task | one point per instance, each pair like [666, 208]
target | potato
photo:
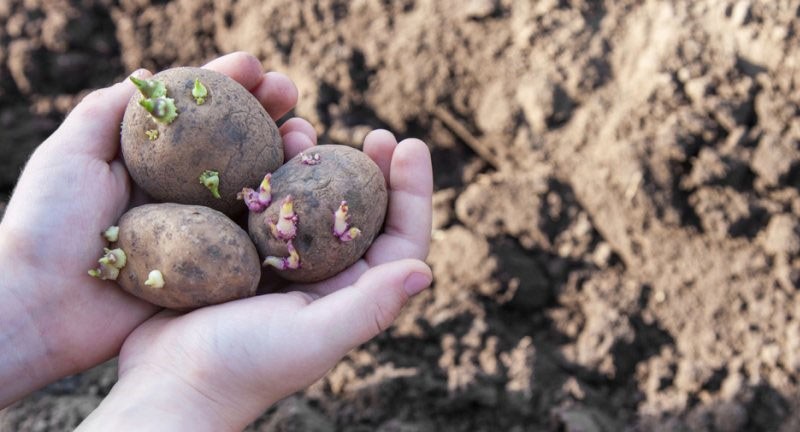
[226, 131]
[301, 232]
[202, 256]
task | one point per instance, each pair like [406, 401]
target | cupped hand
[221, 366]
[61, 320]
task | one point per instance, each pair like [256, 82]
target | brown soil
[616, 209]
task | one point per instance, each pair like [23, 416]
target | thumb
[356, 314]
[93, 126]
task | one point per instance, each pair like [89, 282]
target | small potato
[213, 125]
[182, 257]
[327, 206]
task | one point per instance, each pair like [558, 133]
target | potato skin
[205, 257]
[230, 133]
[343, 173]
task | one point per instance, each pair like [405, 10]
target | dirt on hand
[617, 215]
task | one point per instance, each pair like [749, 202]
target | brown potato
[318, 184]
[230, 133]
[204, 258]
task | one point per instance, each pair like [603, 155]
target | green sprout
[155, 279]
[155, 100]
[95, 273]
[161, 108]
[291, 262]
[150, 88]
[152, 134]
[199, 91]
[114, 257]
[112, 233]
[110, 264]
[210, 179]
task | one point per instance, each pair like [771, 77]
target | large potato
[318, 182]
[229, 133]
[203, 257]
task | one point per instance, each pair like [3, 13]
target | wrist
[24, 364]
[151, 400]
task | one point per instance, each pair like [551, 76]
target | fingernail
[415, 283]
[138, 73]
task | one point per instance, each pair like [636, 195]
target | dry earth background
[616, 213]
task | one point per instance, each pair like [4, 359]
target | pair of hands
[215, 368]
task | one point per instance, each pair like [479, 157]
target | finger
[331, 285]
[298, 136]
[294, 143]
[93, 125]
[123, 184]
[358, 313]
[146, 331]
[408, 219]
[277, 93]
[379, 145]
[244, 68]
[297, 124]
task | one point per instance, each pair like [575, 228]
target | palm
[217, 338]
[59, 205]
[57, 216]
[279, 343]
[71, 190]
[75, 186]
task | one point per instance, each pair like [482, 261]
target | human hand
[219, 367]
[55, 319]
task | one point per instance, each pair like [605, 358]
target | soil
[617, 216]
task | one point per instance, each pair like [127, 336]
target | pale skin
[216, 368]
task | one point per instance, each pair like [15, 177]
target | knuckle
[91, 104]
[93, 97]
[382, 318]
[379, 319]
[301, 298]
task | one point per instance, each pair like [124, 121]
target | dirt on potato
[617, 215]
